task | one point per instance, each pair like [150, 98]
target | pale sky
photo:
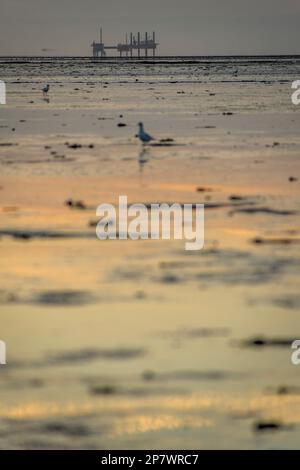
[183, 27]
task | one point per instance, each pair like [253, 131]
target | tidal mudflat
[141, 344]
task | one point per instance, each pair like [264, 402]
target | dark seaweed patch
[195, 375]
[51, 234]
[65, 298]
[275, 241]
[263, 426]
[263, 210]
[194, 333]
[289, 302]
[68, 429]
[261, 342]
[85, 355]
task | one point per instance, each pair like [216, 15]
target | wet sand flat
[141, 344]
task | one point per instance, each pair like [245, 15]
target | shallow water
[123, 344]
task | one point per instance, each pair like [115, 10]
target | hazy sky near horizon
[183, 27]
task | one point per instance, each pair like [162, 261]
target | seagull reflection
[143, 158]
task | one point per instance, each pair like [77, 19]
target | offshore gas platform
[132, 43]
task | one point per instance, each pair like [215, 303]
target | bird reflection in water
[143, 158]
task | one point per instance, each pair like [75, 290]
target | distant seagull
[46, 89]
[142, 135]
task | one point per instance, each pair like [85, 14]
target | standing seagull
[142, 135]
[46, 89]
